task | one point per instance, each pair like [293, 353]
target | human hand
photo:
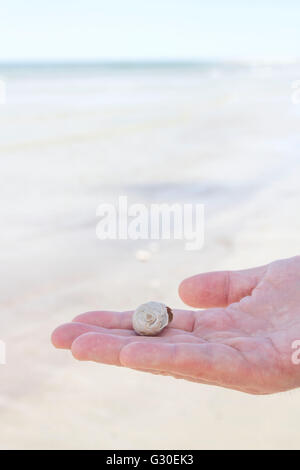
[243, 340]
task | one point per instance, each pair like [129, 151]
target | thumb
[219, 289]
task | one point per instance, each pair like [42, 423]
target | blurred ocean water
[71, 133]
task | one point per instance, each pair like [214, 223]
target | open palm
[243, 339]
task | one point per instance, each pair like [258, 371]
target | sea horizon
[159, 62]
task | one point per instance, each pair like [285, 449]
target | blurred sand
[71, 141]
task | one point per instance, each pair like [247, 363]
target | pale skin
[241, 339]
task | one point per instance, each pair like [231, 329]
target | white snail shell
[151, 318]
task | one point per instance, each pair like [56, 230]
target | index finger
[182, 319]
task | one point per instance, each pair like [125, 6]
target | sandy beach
[73, 137]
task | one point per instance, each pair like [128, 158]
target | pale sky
[149, 29]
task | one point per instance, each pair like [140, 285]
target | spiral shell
[151, 318]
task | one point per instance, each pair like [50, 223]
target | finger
[206, 363]
[99, 347]
[214, 363]
[182, 319]
[63, 336]
[219, 289]
[106, 347]
[106, 319]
